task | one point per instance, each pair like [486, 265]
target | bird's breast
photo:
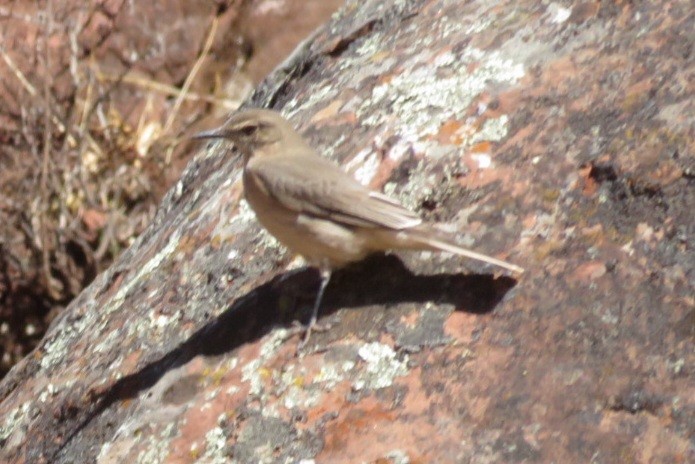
[271, 213]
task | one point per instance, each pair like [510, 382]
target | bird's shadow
[378, 280]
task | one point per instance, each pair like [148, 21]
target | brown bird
[316, 209]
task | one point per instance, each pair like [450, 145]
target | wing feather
[308, 184]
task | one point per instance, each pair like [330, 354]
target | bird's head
[255, 132]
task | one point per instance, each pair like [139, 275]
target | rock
[550, 136]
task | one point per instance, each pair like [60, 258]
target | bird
[317, 210]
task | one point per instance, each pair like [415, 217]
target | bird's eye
[248, 130]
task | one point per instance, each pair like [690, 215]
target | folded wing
[311, 185]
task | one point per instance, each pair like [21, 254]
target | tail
[421, 238]
[453, 248]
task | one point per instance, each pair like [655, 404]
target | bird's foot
[307, 330]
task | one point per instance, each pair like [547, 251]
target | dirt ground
[96, 102]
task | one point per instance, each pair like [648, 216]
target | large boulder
[556, 137]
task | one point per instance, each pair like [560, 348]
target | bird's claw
[307, 330]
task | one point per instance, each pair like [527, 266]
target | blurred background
[97, 100]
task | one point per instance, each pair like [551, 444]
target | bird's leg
[325, 278]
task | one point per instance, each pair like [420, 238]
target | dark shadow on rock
[384, 280]
[378, 280]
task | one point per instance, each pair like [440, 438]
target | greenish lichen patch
[252, 371]
[156, 447]
[215, 447]
[382, 366]
[12, 421]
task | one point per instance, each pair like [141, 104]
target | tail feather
[459, 250]
[425, 238]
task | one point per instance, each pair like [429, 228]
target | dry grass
[79, 180]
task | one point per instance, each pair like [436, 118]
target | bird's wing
[309, 184]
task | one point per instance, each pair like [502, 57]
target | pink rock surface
[551, 136]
